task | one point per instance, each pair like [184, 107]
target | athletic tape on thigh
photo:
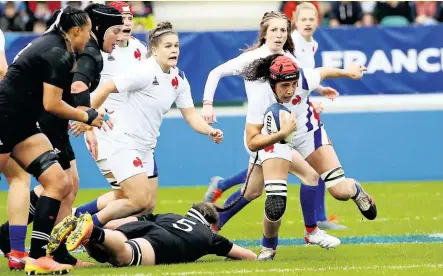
[136, 253]
[276, 187]
[333, 176]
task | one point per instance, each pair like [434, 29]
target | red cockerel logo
[296, 100]
[137, 162]
[174, 82]
[137, 54]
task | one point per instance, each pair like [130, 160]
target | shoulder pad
[93, 52]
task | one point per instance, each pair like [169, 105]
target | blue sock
[320, 204]
[96, 221]
[17, 235]
[90, 208]
[227, 215]
[269, 242]
[232, 197]
[307, 201]
[227, 183]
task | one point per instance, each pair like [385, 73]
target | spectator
[368, 11]
[11, 21]
[439, 12]
[345, 13]
[42, 11]
[394, 8]
[426, 12]
[39, 27]
[289, 8]
[143, 15]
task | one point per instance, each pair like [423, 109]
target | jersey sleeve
[184, 98]
[58, 65]
[310, 79]
[87, 66]
[220, 245]
[229, 68]
[256, 103]
[2, 41]
[133, 80]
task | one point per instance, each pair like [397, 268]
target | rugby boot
[365, 204]
[320, 238]
[81, 233]
[214, 192]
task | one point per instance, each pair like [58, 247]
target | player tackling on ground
[153, 239]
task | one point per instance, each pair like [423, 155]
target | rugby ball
[272, 120]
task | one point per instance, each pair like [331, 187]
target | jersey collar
[198, 216]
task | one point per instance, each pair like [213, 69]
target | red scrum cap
[121, 6]
[283, 69]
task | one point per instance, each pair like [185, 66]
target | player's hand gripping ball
[273, 121]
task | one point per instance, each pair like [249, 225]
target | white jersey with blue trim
[120, 61]
[307, 118]
[150, 94]
[304, 50]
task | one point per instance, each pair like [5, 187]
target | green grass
[404, 208]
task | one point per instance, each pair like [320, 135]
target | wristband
[92, 114]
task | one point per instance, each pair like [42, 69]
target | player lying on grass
[150, 239]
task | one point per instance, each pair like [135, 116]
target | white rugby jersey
[120, 61]
[307, 118]
[2, 41]
[150, 94]
[304, 50]
[256, 91]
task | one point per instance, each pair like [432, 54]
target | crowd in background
[24, 16]
[370, 13]
[33, 16]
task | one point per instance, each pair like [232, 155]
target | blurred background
[386, 127]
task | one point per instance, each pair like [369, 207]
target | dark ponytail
[259, 69]
[70, 17]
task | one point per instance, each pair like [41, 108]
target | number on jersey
[184, 225]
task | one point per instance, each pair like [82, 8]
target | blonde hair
[264, 24]
[300, 7]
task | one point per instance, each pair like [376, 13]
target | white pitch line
[308, 269]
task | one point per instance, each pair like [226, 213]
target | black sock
[44, 219]
[97, 235]
[61, 255]
[33, 204]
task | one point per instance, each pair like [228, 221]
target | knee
[276, 197]
[58, 183]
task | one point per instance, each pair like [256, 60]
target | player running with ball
[286, 82]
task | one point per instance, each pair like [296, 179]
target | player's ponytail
[63, 20]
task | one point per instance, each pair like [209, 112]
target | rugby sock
[307, 201]
[97, 235]
[17, 235]
[227, 183]
[233, 197]
[357, 187]
[320, 204]
[90, 208]
[96, 221]
[269, 242]
[61, 255]
[5, 240]
[44, 219]
[33, 204]
[228, 214]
